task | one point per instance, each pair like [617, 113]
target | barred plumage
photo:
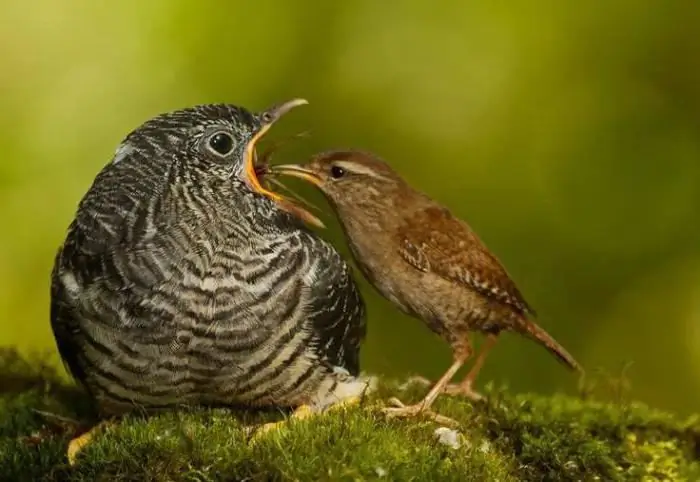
[180, 283]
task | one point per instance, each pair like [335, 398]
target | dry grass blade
[293, 208]
[293, 194]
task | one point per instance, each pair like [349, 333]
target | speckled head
[210, 141]
[349, 178]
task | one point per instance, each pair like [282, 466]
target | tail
[534, 332]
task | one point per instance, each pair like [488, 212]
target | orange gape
[250, 167]
[285, 203]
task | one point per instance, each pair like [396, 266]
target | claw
[464, 390]
[302, 412]
[455, 389]
[76, 445]
[345, 403]
[401, 410]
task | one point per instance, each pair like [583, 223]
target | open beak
[295, 170]
[269, 117]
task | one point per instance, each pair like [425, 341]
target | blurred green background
[567, 134]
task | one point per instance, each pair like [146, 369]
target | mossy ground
[523, 437]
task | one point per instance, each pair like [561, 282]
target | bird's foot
[345, 403]
[300, 413]
[400, 410]
[77, 444]
[464, 389]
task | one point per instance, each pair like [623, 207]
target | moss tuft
[510, 437]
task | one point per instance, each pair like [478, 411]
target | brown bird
[425, 260]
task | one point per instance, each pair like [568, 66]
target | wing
[63, 324]
[100, 278]
[451, 250]
[337, 313]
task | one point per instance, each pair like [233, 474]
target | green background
[566, 133]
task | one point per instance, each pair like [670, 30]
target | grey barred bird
[183, 281]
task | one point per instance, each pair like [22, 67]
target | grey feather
[179, 284]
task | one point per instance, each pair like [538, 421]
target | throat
[366, 237]
[266, 217]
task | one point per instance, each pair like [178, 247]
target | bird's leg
[80, 442]
[465, 387]
[401, 410]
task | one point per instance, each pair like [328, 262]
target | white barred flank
[237, 339]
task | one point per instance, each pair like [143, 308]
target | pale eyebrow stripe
[358, 168]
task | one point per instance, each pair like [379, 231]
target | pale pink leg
[465, 386]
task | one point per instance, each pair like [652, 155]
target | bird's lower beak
[271, 115]
[251, 170]
[295, 170]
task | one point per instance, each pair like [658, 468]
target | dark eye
[267, 118]
[337, 172]
[221, 143]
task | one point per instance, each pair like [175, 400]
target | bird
[183, 281]
[425, 260]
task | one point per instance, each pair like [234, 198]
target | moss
[523, 437]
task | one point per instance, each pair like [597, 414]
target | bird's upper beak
[269, 117]
[295, 170]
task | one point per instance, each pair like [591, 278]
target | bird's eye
[221, 143]
[337, 172]
[266, 118]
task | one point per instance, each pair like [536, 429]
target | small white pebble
[485, 447]
[449, 437]
[381, 472]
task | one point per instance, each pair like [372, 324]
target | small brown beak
[268, 117]
[295, 170]
[306, 174]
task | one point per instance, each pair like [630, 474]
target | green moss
[524, 437]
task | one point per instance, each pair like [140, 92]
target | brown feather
[450, 249]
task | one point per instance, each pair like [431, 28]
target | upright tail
[534, 332]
